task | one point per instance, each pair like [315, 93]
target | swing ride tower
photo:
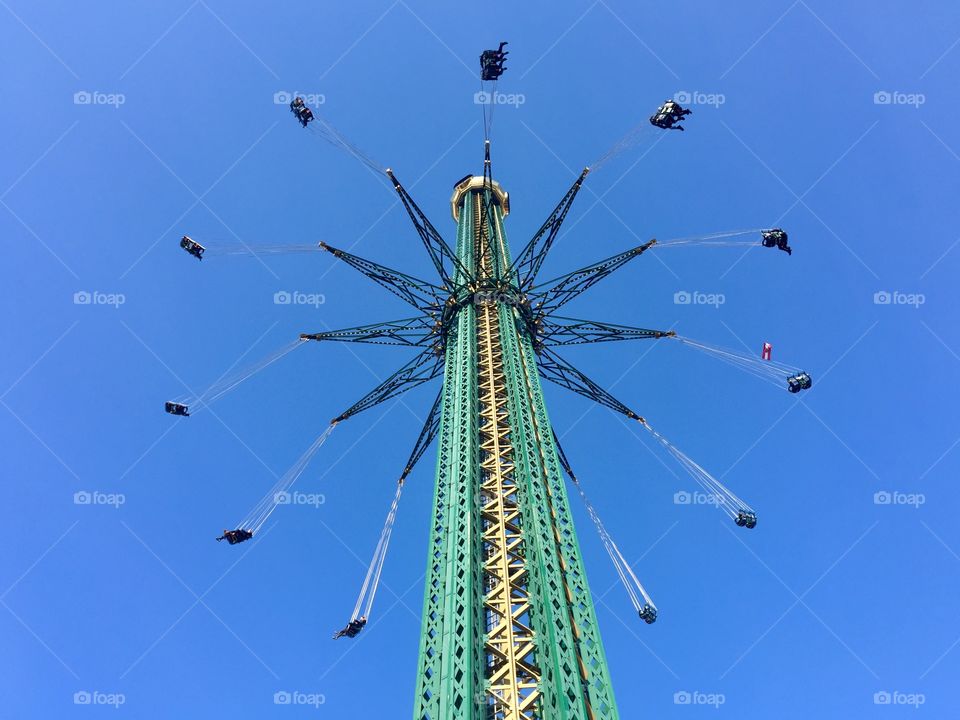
[509, 630]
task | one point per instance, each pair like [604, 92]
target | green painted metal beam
[574, 676]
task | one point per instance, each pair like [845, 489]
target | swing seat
[192, 247]
[175, 408]
[237, 536]
[799, 382]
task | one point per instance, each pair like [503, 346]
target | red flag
[767, 349]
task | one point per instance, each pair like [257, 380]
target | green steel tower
[509, 629]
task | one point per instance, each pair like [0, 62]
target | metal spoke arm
[416, 332]
[558, 331]
[530, 259]
[429, 432]
[558, 371]
[440, 253]
[421, 294]
[423, 368]
[556, 293]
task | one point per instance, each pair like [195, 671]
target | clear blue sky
[833, 598]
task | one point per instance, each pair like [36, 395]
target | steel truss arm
[558, 292]
[528, 262]
[410, 332]
[424, 367]
[421, 294]
[557, 331]
[440, 253]
[429, 432]
[558, 371]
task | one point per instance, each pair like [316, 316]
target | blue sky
[835, 122]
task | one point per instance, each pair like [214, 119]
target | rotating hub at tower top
[482, 290]
[477, 183]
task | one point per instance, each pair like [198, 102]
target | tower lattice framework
[509, 627]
